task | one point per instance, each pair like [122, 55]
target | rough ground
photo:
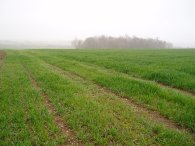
[2, 55]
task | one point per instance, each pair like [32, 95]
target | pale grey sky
[57, 20]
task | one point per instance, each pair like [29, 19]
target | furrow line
[183, 91]
[2, 57]
[64, 128]
[160, 84]
[138, 108]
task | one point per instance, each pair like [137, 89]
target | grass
[95, 116]
[24, 120]
[173, 105]
[175, 68]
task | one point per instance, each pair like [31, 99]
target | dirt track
[72, 140]
[139, 109]
[2, 55]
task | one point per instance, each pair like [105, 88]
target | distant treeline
[120, 42]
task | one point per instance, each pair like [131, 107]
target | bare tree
[77, 43]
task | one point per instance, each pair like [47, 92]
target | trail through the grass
[2, 57]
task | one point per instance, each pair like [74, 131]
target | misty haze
[97, 72]
[40, 21]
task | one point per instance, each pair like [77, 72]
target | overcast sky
[35, 20]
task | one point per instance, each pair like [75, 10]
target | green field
[97, 97]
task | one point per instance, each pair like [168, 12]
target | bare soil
[2, 55]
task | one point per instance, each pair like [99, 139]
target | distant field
[97, 97]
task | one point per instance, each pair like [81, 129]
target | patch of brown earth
[2, 55]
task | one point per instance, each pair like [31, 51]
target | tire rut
[163, 85]
[64, 128]
[138, 108]
[180, 90]
[2, 57]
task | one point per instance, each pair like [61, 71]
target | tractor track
[64, 128]
[138, 108]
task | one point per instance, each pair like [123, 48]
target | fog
[65, 20]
